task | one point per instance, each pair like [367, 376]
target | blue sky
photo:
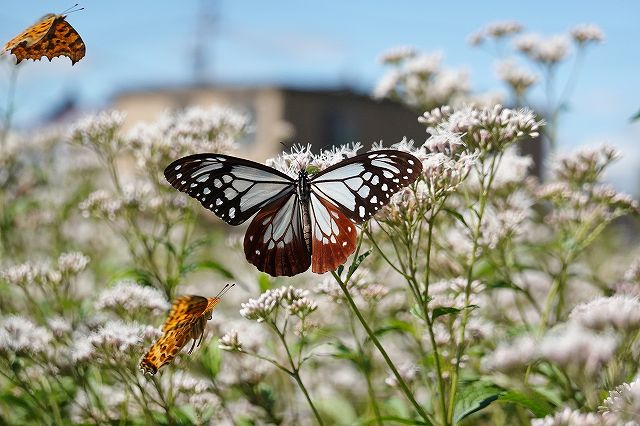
[327, 44]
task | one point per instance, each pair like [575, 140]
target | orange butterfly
[51, 36]
[187, 320]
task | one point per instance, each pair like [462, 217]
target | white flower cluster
[99, 132]
[130, 296]
[230, 341]
[587, 33]
[397, 54]
[571, 346]
[43, 273]
[193, 130]
[584, 166]
[486, 129]
[619, 312]
[113, 341]
[622, 406]
[20, 334]
[408, 372]
[265, 307]
[301, 158]
[569, 417]
[495, 30]
[113, 404]
[419, 81]
[549, 51]
[519, 79]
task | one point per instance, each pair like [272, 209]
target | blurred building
[322, 118]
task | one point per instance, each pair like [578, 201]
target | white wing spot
[397, 180]
[409, 170]
[183, 182]
[349, 228]
[232, 212]
[210, 206]
[374, 199]
[354, 183]
[333, 239]
[384, 187]
[179, 175]
[280, 244]
[344, 243]
[206, 191]
[193, 185]
[375, 180]
[227, 178]
[218, 202]
[361, 211]
[217, 183]
[405, 177]
[178, 167]
[203, 178]
[257, 252]
[230, 193]
[364, 191]
[367, 176]
[241, 185]
[250, 237]
[387, 174]
[410, 162]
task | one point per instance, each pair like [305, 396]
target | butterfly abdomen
[304, 190]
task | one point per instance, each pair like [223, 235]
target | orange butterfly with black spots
[187, 320]
[51, 36]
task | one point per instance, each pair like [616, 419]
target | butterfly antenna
[72, 9]
[224, 290]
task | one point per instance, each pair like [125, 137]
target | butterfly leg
[193, 345]
[200, 341]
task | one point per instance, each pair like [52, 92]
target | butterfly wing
[361, 185]
[333, 235]
[33, 34]
[275, 241]
[165, 349]
[51, 37]
[185, 310]
[232, 188]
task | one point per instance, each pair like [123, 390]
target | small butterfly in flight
[308, 221]
[187, 320]
[51, 36]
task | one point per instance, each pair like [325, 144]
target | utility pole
[206, 28]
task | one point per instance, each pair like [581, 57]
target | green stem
[295, 373]
[403, 386]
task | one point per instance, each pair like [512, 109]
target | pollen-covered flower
[20, 334]
[260, 309]
[512, 356]
[301, 158]
[587, 33]
[129, 296]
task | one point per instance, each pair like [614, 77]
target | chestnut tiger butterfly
[308, 221]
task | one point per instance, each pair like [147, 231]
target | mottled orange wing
[187, 321]
[52, 36]
[184, 310]
[165, 349]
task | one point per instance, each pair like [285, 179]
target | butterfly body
[299, 222]
[51, 36]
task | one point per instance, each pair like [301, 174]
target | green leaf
[356, 263]
[392, 419]
[416, 311]
[534, 401]
[473, 397]
[265, 282]
[456, 215]
[340, 270]
[207, 265]
[444, 310]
